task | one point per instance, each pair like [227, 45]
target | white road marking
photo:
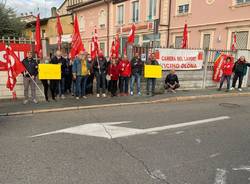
[220, 177]
[109, 131]
[158, 174]
[214, 155]
[179, 132]
[242, 168]
[198, 141]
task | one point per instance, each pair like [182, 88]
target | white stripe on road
[242, 168]
[109, 130]
[220, 177]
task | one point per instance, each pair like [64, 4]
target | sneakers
[131, 93]
[240, 89]
[139, 94]
[232, 88]
[98, 95]
[25, 102]
[35, 101]
[62, 97]
[77, 98]
[104, 95]
[84, 97]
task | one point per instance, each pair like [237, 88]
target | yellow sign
[49, 71]
[153, 71]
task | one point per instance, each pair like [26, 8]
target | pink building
[211, 23]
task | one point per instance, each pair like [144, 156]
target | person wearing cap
[29, 78]
[172, 81]
[81, 71]
[227, 69]
[100, 70]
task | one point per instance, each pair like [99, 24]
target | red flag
[219, 59]
[185, 38]
[117, 45]
[15, 67]
[38, 43]
[93, 48]
[131, 36]
[233, 48]
[59, 32]
[112, 50]
[76, 45]
[96, 41]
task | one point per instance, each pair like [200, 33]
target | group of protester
[116, 76]
[239, 68]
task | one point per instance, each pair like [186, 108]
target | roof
[62, 4]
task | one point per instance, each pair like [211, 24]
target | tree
[10, 24]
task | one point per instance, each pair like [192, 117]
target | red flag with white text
[131, 36]
[38, 42]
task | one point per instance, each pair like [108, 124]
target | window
[178, 41]
[102, 46]
[102, 19]
[135, 11]
[241, 39]
[206, 41]
[120, 14]
[182, 9]
[81, 23]
[242, 1]
[152, 9]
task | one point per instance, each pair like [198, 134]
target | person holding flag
[29, 78]
[100, 67]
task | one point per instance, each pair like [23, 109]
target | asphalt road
[87, 147]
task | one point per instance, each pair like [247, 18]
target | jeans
[227, 78]
[62, 86]
[73, 88]
[151, 81]
[113, 87]
[135, 78]
[237, 76]
[89, 88]
[81, 83]
[28, 82]
[100, 82]
[124, 84]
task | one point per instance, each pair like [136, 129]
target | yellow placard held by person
[49, 71]
[153, 71]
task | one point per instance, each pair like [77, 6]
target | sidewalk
[9, 107]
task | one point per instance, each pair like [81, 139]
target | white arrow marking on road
[109, 131]
[242, 168]
[220, 177]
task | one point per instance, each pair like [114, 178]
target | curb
[164, 100]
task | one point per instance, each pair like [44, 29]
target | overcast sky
[44, 6]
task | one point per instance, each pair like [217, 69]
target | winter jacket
[103, 65]
[31, 66]
[136, 65]
[113, 72]
[227, 68]
[152, 62]
[62, 61]
[77, 67]
[172, 79]
[241, 67]
[125, 68]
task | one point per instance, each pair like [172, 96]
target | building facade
[211, 23]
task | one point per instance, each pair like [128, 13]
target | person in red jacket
[125, 72]
[113, 72]
[227, 68]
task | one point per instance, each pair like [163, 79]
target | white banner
[180, 59]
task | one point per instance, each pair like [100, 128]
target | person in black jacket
[136, 65]
[172, 82]
[240, 70]
[29, 77]
[100, 67]
[54, 84]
